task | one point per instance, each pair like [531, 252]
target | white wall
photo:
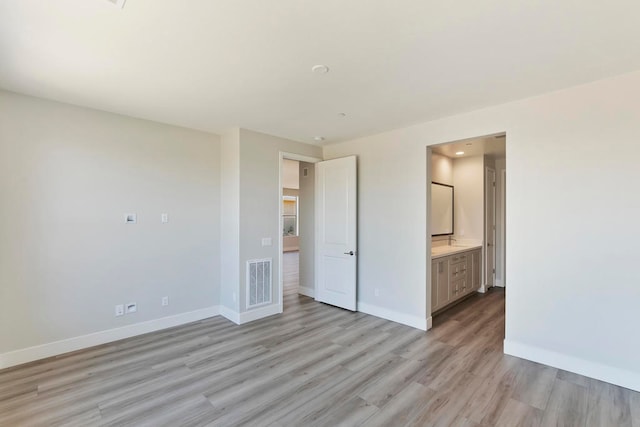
[573, 172]
[468, 196]
[442, 169]
[259, 201]
[230, 219]
[391, 225]
[67, 176]
[290, 178]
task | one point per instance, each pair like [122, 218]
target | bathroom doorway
[467, 229]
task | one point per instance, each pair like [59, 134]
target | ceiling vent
[117, 3]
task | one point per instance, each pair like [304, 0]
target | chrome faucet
[452, 239]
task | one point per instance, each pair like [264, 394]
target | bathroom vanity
[455, 273]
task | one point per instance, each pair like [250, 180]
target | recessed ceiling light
[459, 153]
[318, 138]
[320, 69]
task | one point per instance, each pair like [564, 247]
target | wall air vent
[258, 282]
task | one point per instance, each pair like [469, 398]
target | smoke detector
[117, 3]
[320, 69]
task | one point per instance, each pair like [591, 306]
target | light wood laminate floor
[313, 365]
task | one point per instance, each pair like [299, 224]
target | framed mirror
[441, 209]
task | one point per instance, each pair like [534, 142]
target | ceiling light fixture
[318, 138]
[320, 69]
[459, 153]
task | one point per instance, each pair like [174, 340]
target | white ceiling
[214, 64]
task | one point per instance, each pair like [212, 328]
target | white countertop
[440, 251]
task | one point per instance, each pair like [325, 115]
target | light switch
[266, 241]
[164, 218]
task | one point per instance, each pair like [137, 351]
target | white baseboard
[251, 315]
[499, 283]
[259, 313]
[406, 319]
[610, 374]
[56, 348]
[429, 322]
[230, 314]
[310, 292]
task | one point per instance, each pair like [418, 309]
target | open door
[336, 232]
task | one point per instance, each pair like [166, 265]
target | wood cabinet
[440, 294]
[454, 277]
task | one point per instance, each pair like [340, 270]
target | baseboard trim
[230, 314]
[609, 374]
[429, 322]
[251, 315]
[499, 283]
[56, 348]
[394, 316]
[260, 313]
[310, 292]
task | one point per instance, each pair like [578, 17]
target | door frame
[486, 232]
[301, 158]
[503, 226]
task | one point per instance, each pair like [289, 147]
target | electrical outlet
[376, 292]
[165, 301]
[119, 310]
[164, 218]
[131, 307]
[234, 297]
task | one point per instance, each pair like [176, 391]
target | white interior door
[490, 227]
[336, 232]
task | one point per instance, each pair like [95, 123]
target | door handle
[350, 253]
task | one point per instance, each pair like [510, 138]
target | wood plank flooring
[315, 365]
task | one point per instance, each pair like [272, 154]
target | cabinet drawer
[458, 258]
[457, 271]
[459, 287]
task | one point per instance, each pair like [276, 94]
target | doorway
[290, 226]
[297, 227]
[467, 247]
